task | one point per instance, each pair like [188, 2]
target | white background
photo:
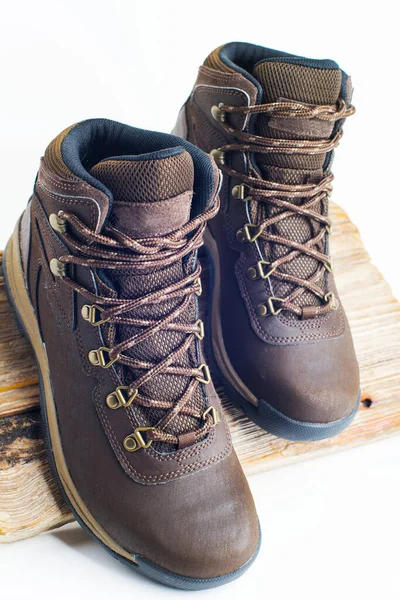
[331, 526]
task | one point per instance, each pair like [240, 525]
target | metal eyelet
[97, 358]
[218, 156]
[240, 236]
[271, 305]
[244, 235]
[130, 444]
[260, 268]
[217, 113]
[200, 333]
[331, 299]
[247, 227]
[117, 399]
[258, 272]
[57, 267]
[238, 192]
[214, 413]
[206, 378]
[252, 273]
[135, 440]
[200, 290]
[58, 224]
[263, 310]
[88, 313]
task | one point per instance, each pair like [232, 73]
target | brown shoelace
[279, 194]
[116, 250]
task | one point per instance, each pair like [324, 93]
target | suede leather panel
[207, 76]
[146, 219]
[88, 203]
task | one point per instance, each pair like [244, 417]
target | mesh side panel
[159, 346]
[305, 84]
[213, 61]
[295, 175]
[296, 82]
[146, 180]
[291, 161]
[53, 157]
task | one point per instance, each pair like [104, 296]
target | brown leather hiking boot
[280, 338]
[102, 270]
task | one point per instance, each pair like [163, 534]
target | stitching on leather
[306, 325]
[136, 475]
[45, 228]
[178, 455]
[72, 201]
[99, 405]
[86, 366]
[54, 286]
[207, 136]
[314, 323]
[205, 89]
[66, 185]
[218, 75]
[197, 448]
[155, 478]
[335, 332]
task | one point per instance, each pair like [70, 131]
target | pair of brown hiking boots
[103, 272]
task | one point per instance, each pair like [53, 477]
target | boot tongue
[315, 84]
[152, 194]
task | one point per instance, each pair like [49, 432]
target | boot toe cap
[306, 391]
[211, 532]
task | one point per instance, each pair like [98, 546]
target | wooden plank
[29, 500]
[18, 374]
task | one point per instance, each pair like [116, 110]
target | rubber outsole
[264, 414]
[142, 565]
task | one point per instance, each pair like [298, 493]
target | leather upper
[190, 511]
[305, 368]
